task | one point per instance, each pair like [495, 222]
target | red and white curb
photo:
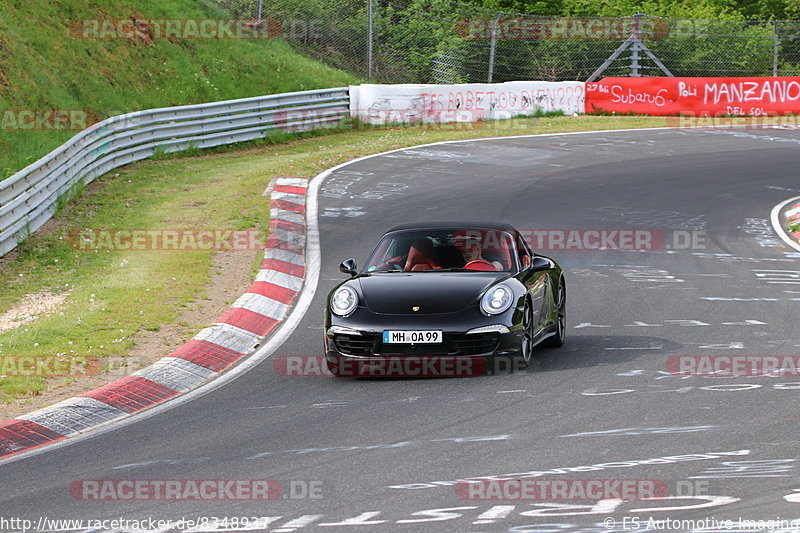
[793, 217]
[235, 335]
[782, 217]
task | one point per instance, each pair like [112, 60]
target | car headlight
[344, 301]
[496, 300]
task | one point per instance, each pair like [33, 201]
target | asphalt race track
[366, 455]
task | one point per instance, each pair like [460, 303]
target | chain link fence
[442, 41]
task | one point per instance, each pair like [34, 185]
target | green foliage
[691, 37]
[333, 30]
[424, 41]
[724, 9]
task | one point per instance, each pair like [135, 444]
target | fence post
[635, 40]
[493, 45]
[775, 48]
[369, 42]
[260, 7]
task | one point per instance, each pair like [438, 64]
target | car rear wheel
[561, 318]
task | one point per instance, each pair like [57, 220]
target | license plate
[412, 337]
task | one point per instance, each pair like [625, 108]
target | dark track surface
[360, 438]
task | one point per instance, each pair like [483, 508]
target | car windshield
[466, 250]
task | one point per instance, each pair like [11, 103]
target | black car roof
[501, 226]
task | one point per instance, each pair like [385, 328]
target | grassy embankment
[46, 64]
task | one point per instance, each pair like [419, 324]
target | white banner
[468, 102]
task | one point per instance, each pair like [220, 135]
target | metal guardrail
[28, 199]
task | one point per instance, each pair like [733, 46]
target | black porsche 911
[441, 294]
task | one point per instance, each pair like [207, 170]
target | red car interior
[420, 256]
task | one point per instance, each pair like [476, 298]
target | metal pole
[369, 42]
[775, 49]
[260, 7]
[493, 46]
[636, 40]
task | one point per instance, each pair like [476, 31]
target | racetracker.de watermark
[90, 240]
[594, 239]
[47, 119]
[561, 29]
[560, 489]
[297, 120]
[175, 29]
[729, 366]
[48, 366]
[406, 366]
[732, 119]
[175, 489]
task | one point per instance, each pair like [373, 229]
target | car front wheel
[561, 318]
[527, 343]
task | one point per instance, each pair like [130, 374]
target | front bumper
[367, 344]
[460, 355]
[356, 342]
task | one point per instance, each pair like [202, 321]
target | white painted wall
[468, 102]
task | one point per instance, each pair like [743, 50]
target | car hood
[433, 292]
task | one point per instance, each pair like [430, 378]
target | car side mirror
[348, 266]
[540, 264]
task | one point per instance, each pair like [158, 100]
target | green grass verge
[115, 294]
[43, 65]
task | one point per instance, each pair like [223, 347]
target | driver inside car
[473, 256]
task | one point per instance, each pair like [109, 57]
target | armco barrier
[695, 96]
[28, 198]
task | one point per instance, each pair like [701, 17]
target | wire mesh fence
[443, 41]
